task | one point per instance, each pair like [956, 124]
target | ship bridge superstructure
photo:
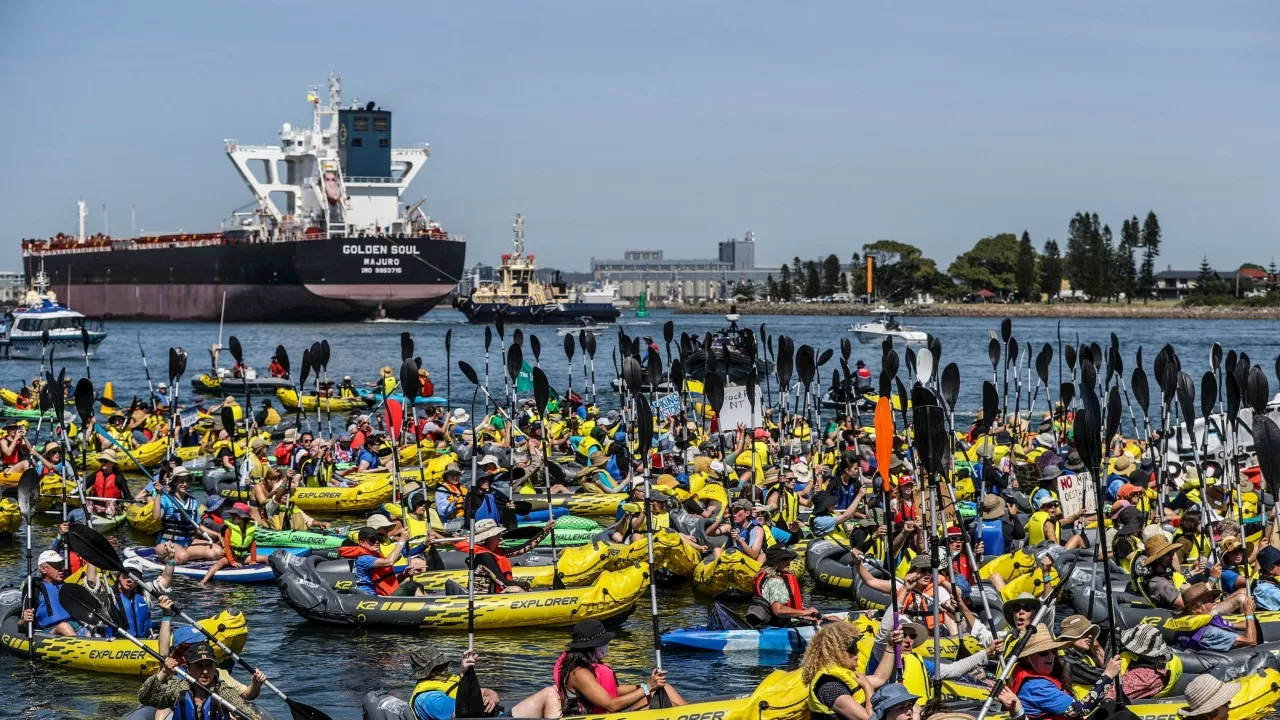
[339, 177]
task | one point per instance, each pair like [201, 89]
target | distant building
[1176, 284]
[477, 275]
[13, 285]
[685, 280]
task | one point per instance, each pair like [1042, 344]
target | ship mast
[519, 235]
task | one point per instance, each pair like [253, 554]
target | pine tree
[744, 290]
[1028, 282]
[797, 277]
[1126, 273]
[1208, 283]
[812, 280]
[785, 291]
[831, 275]
[844, 282]
[1103, 251]
[1150, 251]
[1051, 270]
[771, 288]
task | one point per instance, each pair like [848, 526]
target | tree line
[1096, 265]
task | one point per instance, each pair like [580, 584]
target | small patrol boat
[41, 324]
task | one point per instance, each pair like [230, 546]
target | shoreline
[1102, 311]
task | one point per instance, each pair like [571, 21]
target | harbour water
[333, 668]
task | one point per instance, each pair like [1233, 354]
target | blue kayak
[144, 559]
[540, 516]
[765, 640]
[399, 397]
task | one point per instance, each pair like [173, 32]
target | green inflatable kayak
[571, 531]
[15, 413]
[297, 539]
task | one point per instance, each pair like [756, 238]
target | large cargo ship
[517, 296]
[324, 238]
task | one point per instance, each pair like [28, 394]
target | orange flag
[884, 439]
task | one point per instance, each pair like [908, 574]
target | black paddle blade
[1066, 393]
[1141, 393]
[846, 349]
[468, 372]
[824, 357]
[1088, 373]
[315, 359]
[1229, 363]
[301, 711]
[515, 358]
[1162, 363]
[84, 400]
[930, 434]
[1043, 359]
[1266, 439]
[517, 336]
[1138, 361]
[677, 375]
[1013, 350]
[633, 374]
[1243, 366]
[488, 338]
[324, 355]
[993, 353]
[1233, 397]
[1215, 356]
[84, 339]
[889, 363]
[668, 331]
[81, 603]
[228, 417]
[448, 340]
[569, 347]
[1086, 430]
[1186, 392]
[591, 345]
[903, 401]
[1095, 355]
[911, 362]
[306, 368]
[237, 352]
[469, 700]
[1113, 414]
[406, 346]
[536, 346]
[886, 384]
[1257, 391]
[990, 402]
[935, 347]
[654, 372]
[1169, 384]
[59, 397]
[45, 398]
[1069, 352]
[94, 548]
[44, 337]
[805, 366]
[502, 328]
[1006, 329]
[644, 427]
[541, 390]
[410, 385]
[951, 384]
[1208, 393]
[713, 389]
[28, 492]
[182, 364]
[783, 364]
[173, 365]
[282, 357]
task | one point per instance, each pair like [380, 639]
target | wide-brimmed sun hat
[1041, 640]
[1207, 693]
[589, 634]
[487, 528]
[1025, 601]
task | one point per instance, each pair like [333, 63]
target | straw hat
[1024, 600]
[1157, 546]
[1076, 627]
[1193, 595]
[107, 456]
[1123, 466]
[487, 528]
[1207, 693]
[1041, 640]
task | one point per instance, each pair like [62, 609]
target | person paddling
[189, 700]
[496, 562]
[588, 685]
[48, 615]
[778, 601]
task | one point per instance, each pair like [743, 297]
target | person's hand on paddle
[1009, 699]
[256, 681]
[64, 527]
[1046, 562]
[28, 616]
[997, 645]
[551, 525]
[168, 669]
[657, 679]
[1216, 572]
[166, 604]
[979, 549]
[1113, 667]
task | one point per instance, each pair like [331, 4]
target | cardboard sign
[189, 417]
[1076, 494]
[737, 409]
[668, 406]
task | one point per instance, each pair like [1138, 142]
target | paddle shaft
[31, 593]
[469, 518]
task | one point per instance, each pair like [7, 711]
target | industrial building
[684, 281]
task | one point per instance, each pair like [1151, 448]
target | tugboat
[23, 334]
[518, 297]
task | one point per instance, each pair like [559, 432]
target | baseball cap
[200, 652]
[50, 557]
[186, 635]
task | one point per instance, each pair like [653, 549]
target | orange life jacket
[794, 599]
[384, 579]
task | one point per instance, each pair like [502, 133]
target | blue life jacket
[845, 495]
[49, 610]
[210, 709]
[489, 509]
[174, 525]
[135, 613]
[993, 537]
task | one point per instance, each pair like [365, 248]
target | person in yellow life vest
[1236, 571]
[746, 533]
[586, 426]
[1046, 522]
[436, 689]
[830, 671]
[1159, 583]
[116, 429]
[753, 452]
[451, 496]
[1192, 544]
[596, 478]
[784, 502]
[387, 382]
[240, 548]
[711, 497]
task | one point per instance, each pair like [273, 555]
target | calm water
[333, 669]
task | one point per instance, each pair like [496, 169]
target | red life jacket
[504, 563]
[284, 453]
[794, 599]
[106, 486]
[961, 565]
[1022, 673]
[384, 579]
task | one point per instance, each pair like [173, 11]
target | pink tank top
[604, 676]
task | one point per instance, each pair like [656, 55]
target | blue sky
[818, 125]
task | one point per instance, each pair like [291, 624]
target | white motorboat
[585, 323]
[41, 324]
[886, 325]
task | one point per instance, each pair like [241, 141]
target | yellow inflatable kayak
[780, 696]
[289, 398]
[149, 454]
[587, 504]
[10, 516]
[732, 571]
[52, 489]
[114, 656]
[433, 465]
[578, 567]
[367, 495]
[142, 517]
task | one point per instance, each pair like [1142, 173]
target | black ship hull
[325, 279]
[549, 314]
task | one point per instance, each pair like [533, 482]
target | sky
[820, 126]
